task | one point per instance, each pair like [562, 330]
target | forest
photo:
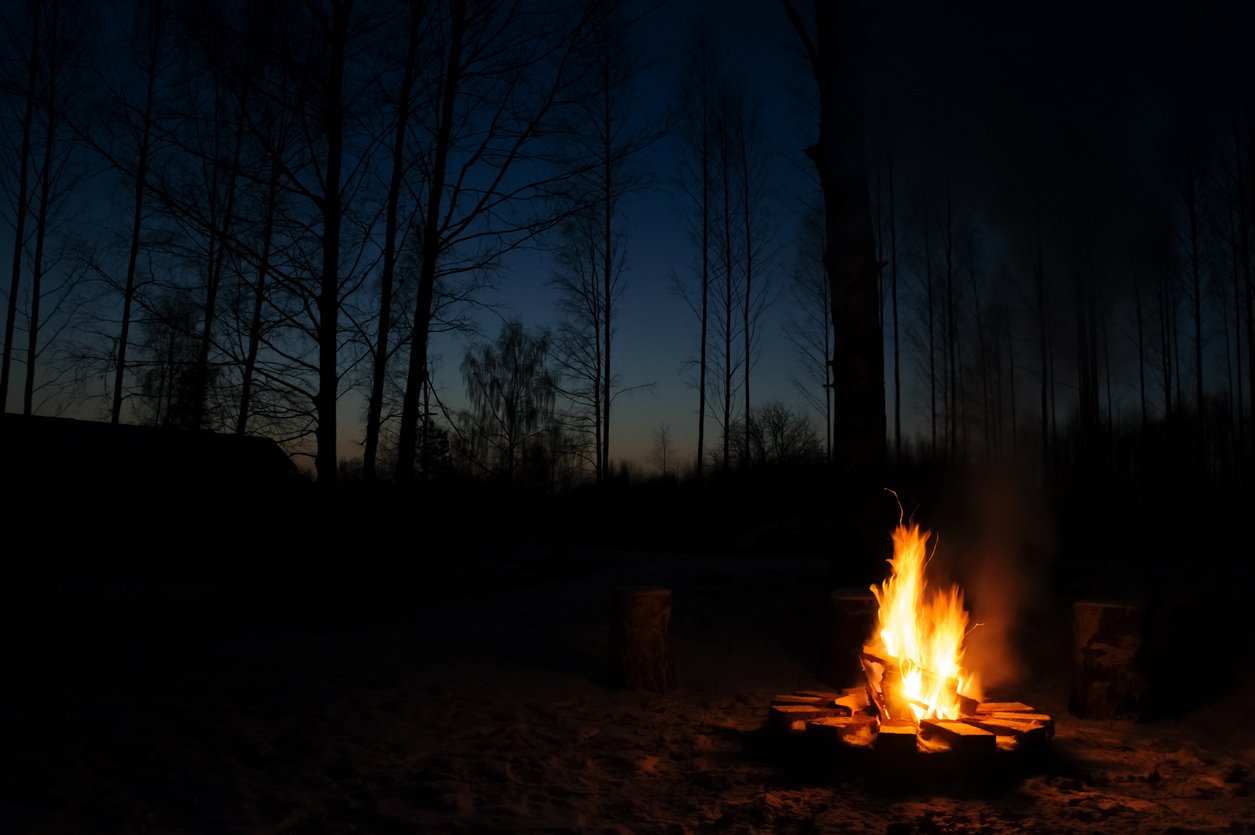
[240, 217]
[380, 379]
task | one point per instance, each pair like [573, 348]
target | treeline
[227, 215]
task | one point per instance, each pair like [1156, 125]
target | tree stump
[1108, 676]
[640, 639]
[849, 621]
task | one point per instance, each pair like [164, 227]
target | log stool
[849, 621]
[1108, 675]
[640, 639]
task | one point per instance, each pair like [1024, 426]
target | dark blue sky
[1084, 106]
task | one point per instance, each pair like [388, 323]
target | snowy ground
[487, 711]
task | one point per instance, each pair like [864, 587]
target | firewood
[640, 639]
[1002, 707]
[856, 701]
[874, 655]
[1044, 719]
[1026, 733]
[829, 695]
[873, 695]
[962, 738]
[793, 718]
[797, 699]
[833, 731]
[896, 703]
[896, 738]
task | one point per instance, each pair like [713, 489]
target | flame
[921, 634]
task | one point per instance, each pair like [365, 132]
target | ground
[483, 706]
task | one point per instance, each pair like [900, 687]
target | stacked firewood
[850, 719]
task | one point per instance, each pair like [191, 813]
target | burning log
[640, 639]
[885, 688]
[896, 738]
[961, 737]
[1108, 681]
[1026, 734]
[847, 721]
[909, 709]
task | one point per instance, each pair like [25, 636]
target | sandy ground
[488, 711]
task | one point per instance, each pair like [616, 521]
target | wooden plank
[1025, 733]
[794, 699]
[828, 695]
[1043, 719]
[961, 737]
[793, 718]
[856, 702]
[848, 731]
[870, 654]
[1003, 707]
[896, 738]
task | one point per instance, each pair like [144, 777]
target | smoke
[996, 540]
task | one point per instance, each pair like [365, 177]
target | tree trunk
[137, 220]
[640, 639]
[41, 223]
[21, 210]
[839, 155]
[374, 410]
[329, 286]
[416, 376]
[259, 300]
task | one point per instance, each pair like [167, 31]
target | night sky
[1085, 116]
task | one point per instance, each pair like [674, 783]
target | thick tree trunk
[836, 53]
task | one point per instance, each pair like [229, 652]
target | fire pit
[916, 700]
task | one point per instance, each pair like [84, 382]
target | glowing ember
[920, 638]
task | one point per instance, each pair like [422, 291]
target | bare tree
[663, 452]
[152, 60]
[697, 132]
[506, 71]
[61, 53]
[399, 167]
[31, 61]
[809, 328]
[511, 392]
[593, 255]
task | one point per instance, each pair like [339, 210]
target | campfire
[916, 697]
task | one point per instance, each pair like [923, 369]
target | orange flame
[921, 634]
